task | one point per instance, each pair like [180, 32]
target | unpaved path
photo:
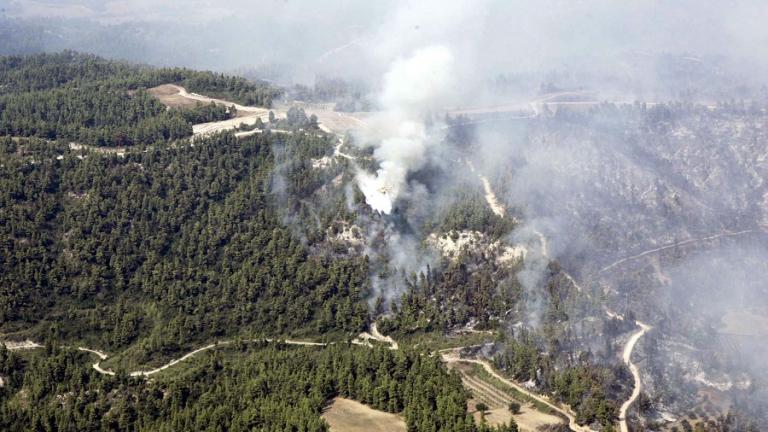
[490, 197]
[27, 344]
[381, 338]
[676, 244]
[190, 354]
[373, 334]
[451, 356]
[101, 354]
[497, 208]
[224, 125]
[329, 121]
[627, 357]
[364, 338]
[182, 92]
[644, 328]
[176, 95]
[337, 151]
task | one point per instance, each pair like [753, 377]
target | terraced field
[498, 400]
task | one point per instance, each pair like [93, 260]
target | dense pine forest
[93, 101]
[336, 216]
[183, 240]
[168, 243]
[161, 248]
[250, 386]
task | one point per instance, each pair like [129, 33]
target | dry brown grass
[345, 415]
[529, 419]
[168, 95]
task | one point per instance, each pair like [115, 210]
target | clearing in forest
[498, 400]
[169, 95]
[345, 415]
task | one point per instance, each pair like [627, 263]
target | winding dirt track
[205, 99]
[673, 245]
[627, 357]
[27, 344]
[644, 328]
[330, 121]
[451, 356]
[102, 356]
[494, 204]
[498, 208]
[362, 339]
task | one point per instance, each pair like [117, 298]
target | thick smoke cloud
[412, 87]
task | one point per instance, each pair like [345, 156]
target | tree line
[248, 386]
[90, 100]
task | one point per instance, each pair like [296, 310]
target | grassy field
[345, 415]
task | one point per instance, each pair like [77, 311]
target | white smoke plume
[413, 87]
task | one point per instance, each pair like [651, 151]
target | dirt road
[181, 92]
[490, 196]
[373, 334]
[27, 344]
[103, 356]
[365, 338]
[329, 121]
[627, 357]
[450, 356]
[674, 245]
[175, 95]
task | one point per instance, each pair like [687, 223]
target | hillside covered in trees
[159, 249]
[175, 242]
[93, 101]
[163, 247]
[269, 387]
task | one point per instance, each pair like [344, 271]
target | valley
[408, 217]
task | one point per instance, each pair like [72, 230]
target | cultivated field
[497, 400]
[345, 415]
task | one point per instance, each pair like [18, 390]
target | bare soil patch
[529, 419]
[169, 95]
[345, 415]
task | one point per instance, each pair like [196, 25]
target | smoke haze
[615, 43]
[638, 201]
[412, 87]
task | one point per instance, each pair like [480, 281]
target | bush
[514, 407]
